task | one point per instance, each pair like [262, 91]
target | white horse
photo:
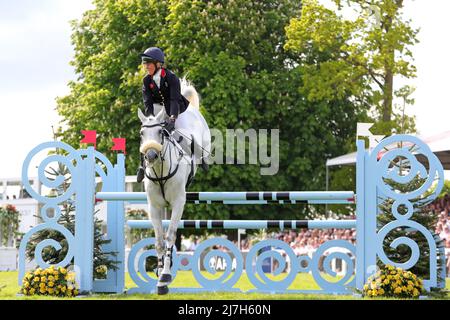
[169, 167]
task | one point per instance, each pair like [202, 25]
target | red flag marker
[119, 144]
[90, 136]
[380, 154]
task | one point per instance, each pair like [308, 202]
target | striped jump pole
[283, 197]
[249, 224]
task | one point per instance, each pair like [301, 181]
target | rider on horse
[161, 87]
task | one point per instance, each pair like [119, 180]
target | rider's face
[150, 67]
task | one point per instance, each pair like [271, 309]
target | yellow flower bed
[393, 282]
[101, 270]
[50, 282]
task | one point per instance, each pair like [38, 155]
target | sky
[35, 50]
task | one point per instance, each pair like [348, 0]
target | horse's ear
[141, 116]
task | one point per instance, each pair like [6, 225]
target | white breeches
[191, 122]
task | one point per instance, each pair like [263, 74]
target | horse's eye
[159, 131]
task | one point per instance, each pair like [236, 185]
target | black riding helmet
[153, 54]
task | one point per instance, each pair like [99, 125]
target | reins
[161, 179]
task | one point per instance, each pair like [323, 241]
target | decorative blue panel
[70, 160]
[385, 164]
[224, 283]
[207, 250]
[136, 266]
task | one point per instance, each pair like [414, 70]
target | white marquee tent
[438, 143]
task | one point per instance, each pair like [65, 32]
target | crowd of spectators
[442, 208]
[306, 241]
[189, 243]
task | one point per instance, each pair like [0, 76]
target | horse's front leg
[177, 212]
[156, 215]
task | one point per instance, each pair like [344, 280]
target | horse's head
[152, 136]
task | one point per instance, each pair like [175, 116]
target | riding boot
[204, 165]
[195, 149]
[141, 171]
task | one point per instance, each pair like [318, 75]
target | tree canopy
[359, 56]
[256, 64]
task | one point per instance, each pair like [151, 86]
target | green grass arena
[303, 281]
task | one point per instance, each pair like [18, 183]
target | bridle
[167, 147]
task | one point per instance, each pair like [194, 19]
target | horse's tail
[189, 92]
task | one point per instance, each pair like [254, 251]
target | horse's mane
[189, 92]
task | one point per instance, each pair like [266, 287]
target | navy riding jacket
[168, 94]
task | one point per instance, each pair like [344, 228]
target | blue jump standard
[249, 224]
[371, 173]
[310, 197]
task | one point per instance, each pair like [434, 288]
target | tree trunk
[388, 68]
[388, 93]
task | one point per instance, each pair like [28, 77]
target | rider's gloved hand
[170, 124]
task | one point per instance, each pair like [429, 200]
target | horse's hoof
[166, 278]
[163, 290]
